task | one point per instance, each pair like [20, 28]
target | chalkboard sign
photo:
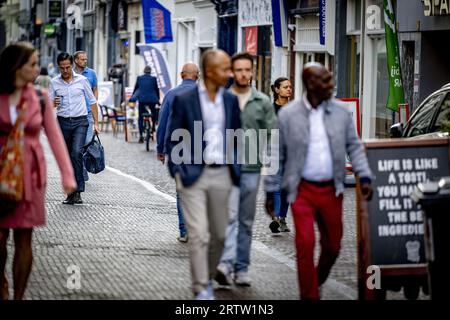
[395, 222]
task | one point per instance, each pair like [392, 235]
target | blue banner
[157, 24]
[322, 21]
[154, 58]
[280, 22]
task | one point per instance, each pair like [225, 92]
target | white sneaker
[242, 279]
[206, 294]
[223, 276]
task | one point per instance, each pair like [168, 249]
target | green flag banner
[396, 94]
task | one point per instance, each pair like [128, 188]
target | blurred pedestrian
[69, 92]
[257, 114]
[282, 92]
[189, 74]
[52, 70]
[313, 169]
[81, 60]
[23, 112]
[208, 170]
[43, 79]
[146, 91]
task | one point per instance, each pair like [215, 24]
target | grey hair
[77, 53]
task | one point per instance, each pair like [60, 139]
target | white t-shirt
[13, 114]
[242, 97]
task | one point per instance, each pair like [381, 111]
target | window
[421, 121]
[263, 57]
[89, 5]
[354, 12]
[353, 71]
[383, 120]
[443, 114]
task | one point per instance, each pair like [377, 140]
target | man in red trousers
[316, 132]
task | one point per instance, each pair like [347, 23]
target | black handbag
[94, 155]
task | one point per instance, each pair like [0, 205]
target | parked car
[427, 119]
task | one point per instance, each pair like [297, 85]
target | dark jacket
[146, 90]
[166, 107]
[185, 111]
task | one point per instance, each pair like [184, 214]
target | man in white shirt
[209, 169]
[70, 92]
[315, 134]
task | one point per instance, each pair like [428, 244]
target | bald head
[211, 58]
[318, 82]
[190, 71]
[310, 70]
[216, 66]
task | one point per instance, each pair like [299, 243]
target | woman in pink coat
[18, 69]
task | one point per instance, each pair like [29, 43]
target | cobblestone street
[123, 239]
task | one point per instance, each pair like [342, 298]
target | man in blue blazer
[203, 160]
[146, 92]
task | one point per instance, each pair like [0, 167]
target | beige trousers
[205, 209]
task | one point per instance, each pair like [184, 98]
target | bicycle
[148, 128]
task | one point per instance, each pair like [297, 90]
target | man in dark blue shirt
[146, 92]
[189, 74]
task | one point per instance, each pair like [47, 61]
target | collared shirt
[319, 163]
[213, 113]
[92, 78]
[73, 95]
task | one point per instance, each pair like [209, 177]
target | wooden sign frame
[364, 253]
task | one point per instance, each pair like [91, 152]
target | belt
[324, 183]
[73, 118]
[215, 165]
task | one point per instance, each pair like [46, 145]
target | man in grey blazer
[315, 134]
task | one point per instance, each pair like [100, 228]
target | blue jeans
[89, 135]
[280, 203]
[181, 225]
[74, 132]
[228, 257]
[238, 247]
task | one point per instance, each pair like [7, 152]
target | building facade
[347, 36]
[424, 29]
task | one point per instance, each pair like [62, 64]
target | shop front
[373, 77]
[255, 35]
[424, 30]
[315, 36]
